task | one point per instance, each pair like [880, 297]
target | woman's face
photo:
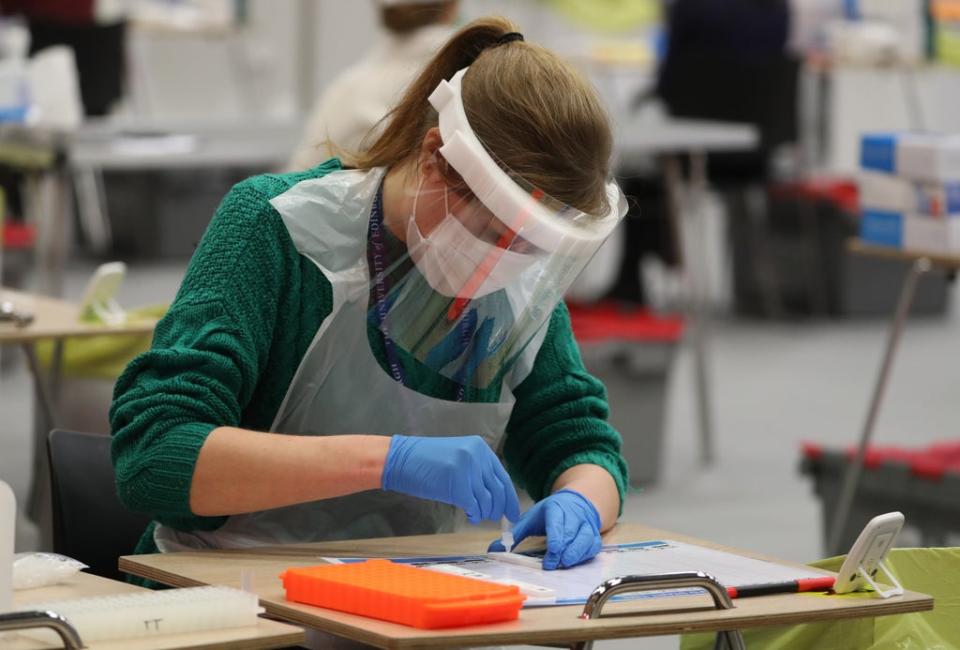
[440, 195]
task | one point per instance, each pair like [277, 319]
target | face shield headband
[485, 280]
[539, 219]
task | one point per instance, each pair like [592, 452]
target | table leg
[700, 307]
[816, 287]
[685, 211]
[852, 477]
[39, 499]
[93, 215]
[48, 200]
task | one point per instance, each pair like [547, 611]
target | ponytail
[409, 120]
[536, 115]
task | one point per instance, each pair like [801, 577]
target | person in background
[351, 348]
[727, 60]
[360, 97]
[96, 31]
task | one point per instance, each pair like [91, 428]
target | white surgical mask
[449, 258]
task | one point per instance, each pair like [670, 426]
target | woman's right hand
[462, 471]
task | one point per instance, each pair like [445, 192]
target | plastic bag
[32, 570]
[933, 571]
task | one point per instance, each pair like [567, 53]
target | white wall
[257, 71]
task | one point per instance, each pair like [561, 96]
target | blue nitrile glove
[461, 471]
[571, 524]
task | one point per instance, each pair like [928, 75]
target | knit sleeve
[207, 356]
[560, 417]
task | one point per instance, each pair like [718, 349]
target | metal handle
[628, 584]
[60, 625]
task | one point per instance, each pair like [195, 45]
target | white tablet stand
[98, 298]
[865, 559]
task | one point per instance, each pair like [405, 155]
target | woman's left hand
[571, 524]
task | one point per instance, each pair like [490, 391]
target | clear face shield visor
[487, 276]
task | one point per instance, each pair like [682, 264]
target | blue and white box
[917, 156]
[878, 152]
[882, 227]
[896, 194]
[926, 235]
[911, 232]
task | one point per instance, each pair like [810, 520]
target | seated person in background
[97, 37]
[361, 96]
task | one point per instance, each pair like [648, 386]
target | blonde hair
[403, 19]
[538, 117]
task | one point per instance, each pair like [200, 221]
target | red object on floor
[930, 462]
[17, 236]
[812, 450]
[605, 321]
[838, 190]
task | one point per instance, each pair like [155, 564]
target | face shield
[496, 260]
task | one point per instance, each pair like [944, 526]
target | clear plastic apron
[340, 388]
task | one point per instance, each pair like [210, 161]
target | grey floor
[775, 386]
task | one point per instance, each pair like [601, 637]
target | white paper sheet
[573, 586]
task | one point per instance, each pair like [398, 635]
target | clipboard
[536, 626]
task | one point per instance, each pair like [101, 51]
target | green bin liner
[102, 356]
[932, 571]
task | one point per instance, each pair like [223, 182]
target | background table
[921, 263]
[672, 615]
[267, 634]
[164, 145]
[53, 320]
[644, 133]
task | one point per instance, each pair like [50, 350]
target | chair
[89, 523]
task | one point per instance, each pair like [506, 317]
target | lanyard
[381, 290]
[378, 245]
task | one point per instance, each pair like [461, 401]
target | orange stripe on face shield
[482, 272]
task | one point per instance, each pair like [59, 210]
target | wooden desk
[673, 615]
[54, 320]
[267, 633]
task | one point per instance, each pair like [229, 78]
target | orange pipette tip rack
[404, 594]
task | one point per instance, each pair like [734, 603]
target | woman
[392, 326]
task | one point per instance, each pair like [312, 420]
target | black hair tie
[509, 37]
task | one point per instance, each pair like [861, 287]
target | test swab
[174, 611]
[506, 534]
[518, 558]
